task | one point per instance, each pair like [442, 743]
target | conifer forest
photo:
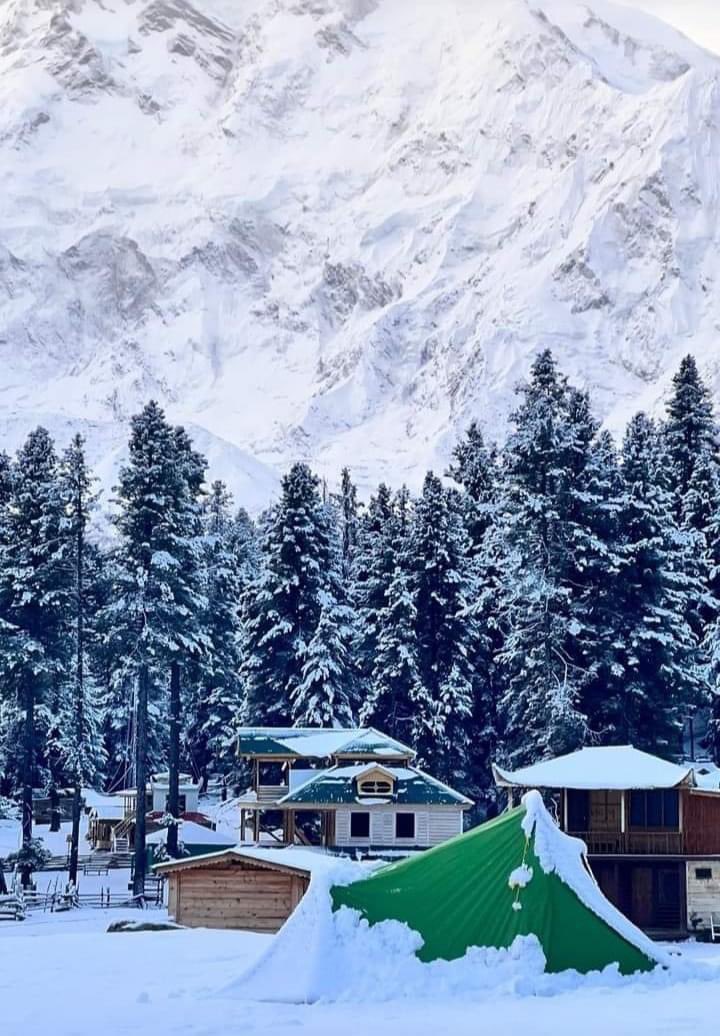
[557, 590]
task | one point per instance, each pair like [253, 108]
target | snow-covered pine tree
[372, 572]
[189, 638]
[217, 702]
[658, 652]
[34, 598]
[540, 710]
[246, 548]
[690, 430]
[348, 510]
[597, 565]
[322, 697]
[300, 575]
[446, 634]
[156, 605]
[79, 743]
[395, 691]
[475, 468]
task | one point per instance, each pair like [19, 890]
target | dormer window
[377, 787]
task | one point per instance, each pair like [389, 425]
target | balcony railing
[271, 792]
[644, 843]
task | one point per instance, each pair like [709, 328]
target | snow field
[68, 976]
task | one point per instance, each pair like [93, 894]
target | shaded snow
[329, 231]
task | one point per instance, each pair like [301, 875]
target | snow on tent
[517, 875]
[497, 906]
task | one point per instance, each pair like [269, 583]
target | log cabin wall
[701, 823]
[256, 899]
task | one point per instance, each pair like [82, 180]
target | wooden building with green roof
[362, 786]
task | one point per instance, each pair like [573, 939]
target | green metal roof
[336, 787]
[319, 743]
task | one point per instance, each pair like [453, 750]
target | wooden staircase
[120, 839]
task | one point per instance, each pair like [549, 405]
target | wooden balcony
[640, 843]
[270, 793]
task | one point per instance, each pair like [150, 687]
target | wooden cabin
[651, 827]
[236, 889]
[354, 788]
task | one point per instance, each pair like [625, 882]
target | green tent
[515, 875]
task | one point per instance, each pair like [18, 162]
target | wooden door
[669, 895]
[642, 897]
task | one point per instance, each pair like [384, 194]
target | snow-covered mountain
[337, 229]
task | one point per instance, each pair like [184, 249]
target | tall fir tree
[217, 703]
[446, 633]
[395, 690]
[658, 656]
[690, 431]
[540, 704]
[372, 572]
[348, 510]
[300, 576]
[34, 596]
[80, 743]
[475, 468]
[156, 602]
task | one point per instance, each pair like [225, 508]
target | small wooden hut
[234, 889]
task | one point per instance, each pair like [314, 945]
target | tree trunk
[28, 757]
[54, 808]
[79, 685]
[173, 800]
[141, 721]
[75, 835]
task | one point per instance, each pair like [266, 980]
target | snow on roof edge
[619, 767]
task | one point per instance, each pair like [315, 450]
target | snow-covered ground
[66, 974]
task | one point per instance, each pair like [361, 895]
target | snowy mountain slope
[328, 229]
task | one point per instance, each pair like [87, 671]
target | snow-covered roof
[319, 743]
[621, 768]
[309, 861]
[108, 811]
[191, 834]
[337, 785]
[707, 776]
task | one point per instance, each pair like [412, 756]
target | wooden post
[511, 798]
[622, 820]
[565, 810]
[256, 825]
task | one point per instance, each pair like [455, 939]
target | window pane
[359, 825]
[578, 810]
[672, 811]
[654, 809]
[637, 809]
[404, 825]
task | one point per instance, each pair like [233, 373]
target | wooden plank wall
[701, 823]
[703, 894]
[234, 897]
[431, 827]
